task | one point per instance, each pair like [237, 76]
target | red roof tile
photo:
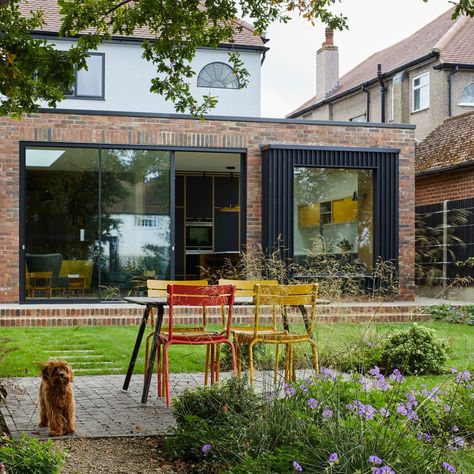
[453, 40]
[244, 36]
[450, 144]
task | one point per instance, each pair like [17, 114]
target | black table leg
[151, 360]
[136, 348]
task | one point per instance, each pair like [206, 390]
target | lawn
[106, 349]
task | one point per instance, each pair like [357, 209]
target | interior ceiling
[205, 161]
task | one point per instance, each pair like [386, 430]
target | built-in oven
[199, 235]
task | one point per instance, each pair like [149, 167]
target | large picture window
[333, 211]
[97, 221]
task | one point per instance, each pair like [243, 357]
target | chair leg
[218, 362]
[287, 363]
[315, 356]
[159, 370]
[277, 356]
[147, 353]
[166, 375]
[251, 371]
[206, 372]
[213, 368]
[233, 355]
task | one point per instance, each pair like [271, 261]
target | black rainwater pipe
[382, 93]
[450, 75]
[367, 111]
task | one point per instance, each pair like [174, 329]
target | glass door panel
[61, 222]
[136, 219]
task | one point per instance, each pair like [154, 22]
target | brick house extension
[111, 188]
[445, 185]
[423, 79]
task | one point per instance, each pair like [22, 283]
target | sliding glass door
[97, 221]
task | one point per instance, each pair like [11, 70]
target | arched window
[467, 97]
[219, 75]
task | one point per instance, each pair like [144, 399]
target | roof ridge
[451, 33]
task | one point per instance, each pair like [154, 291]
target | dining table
[159, 302]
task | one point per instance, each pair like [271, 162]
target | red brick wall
[432, 189]
[129, 130]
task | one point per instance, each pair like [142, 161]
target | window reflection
[333, 213]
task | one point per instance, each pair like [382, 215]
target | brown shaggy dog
[57, 398]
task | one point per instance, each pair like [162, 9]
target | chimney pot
[329, 37]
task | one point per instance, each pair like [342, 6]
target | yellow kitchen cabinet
[344, 210]
[308, 215]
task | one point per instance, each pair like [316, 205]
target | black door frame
[23, 145]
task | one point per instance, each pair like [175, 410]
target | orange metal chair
[280, 296]
[203, 296]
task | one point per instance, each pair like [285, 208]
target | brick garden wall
[177, 131]
[447, 186]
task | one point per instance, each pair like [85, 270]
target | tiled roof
[453, 40]
[244, 36]
[452, 143]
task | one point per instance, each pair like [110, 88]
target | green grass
[111, 347]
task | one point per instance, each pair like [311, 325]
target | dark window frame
[23, 145]
[76, 96]
[278, 164]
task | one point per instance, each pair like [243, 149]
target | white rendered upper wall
[128, 80]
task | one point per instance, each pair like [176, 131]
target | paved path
[102, 409]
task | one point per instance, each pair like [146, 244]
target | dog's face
[57, 372]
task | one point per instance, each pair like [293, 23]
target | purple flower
[333, 458]
[459, 441]
[290, 391]
[387, 470]
[327, 413]
[303, 388]
[376, 470]
[384, 412]
[313, 403]
[206, 448]
[447, 408]
[327, 374]
[448, 467]
[463, 376]
[375, 460]
[396, 376]
[455, 429]
[375, 371]
[297, 467]
[402, 409]
[308, 380]
[412, 399]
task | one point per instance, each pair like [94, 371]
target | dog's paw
[53, 434]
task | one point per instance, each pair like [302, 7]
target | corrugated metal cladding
[278, 163]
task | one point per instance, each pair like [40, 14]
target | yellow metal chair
[39, 281]
[159, 288]
[279, 297]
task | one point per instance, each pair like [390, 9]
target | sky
[289, 70]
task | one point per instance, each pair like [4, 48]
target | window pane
[468, 94]
[136, 224]
[89, 83]
[333, 214]
[416, 82]
[416, 99]
[217, 75]
[424, 97]
[61, 222]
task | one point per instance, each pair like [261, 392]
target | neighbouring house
[420, 80]
[444, 187]
[112, 188]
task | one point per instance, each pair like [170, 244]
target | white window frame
[466, 104]
[416, 88]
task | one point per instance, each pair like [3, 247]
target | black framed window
[90, 82]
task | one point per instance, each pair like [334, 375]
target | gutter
[450, 75]
[445, 169]
[426, 57]
[367, 107]
[382, 92]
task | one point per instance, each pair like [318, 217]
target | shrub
[27, 455]
[334, 423]
[416, 350]
[452, 314]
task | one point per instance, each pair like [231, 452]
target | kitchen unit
[207, 225]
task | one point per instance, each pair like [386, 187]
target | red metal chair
[204, 296]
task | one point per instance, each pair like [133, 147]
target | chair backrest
[159, 288]
[204, 296]
[287, 295]
[46, 262]
[246, 287]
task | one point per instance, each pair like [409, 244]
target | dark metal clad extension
[278, 164]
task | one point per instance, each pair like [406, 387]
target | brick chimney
[327, 66]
